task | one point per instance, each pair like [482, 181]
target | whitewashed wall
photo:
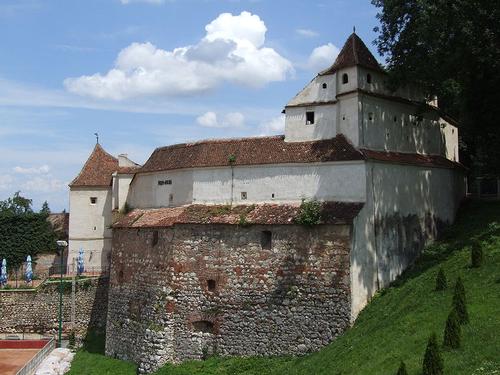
[324, 181]
[394, 127]
[146, 193]
[89, 225]
[121, 184]
[342, 181]
[403, 203]
[314, 91]
[324, 127]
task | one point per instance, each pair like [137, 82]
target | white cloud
[44, 184]
[229, 120]
[307, 33]
[5, 181]
[231, 51]
[142, 1]
[44, 169]
[322, 57]
[275, 125]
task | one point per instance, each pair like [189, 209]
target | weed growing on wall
[309, 213]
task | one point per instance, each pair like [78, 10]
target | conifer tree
[433, 362]
[459, 302]
[452, 331]
[476, 255]
[402, 369]
[441, 283]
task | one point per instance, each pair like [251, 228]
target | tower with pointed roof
[99, 188]
[351, 98]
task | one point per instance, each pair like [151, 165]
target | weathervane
[97, 137]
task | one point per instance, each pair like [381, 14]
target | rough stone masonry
[192, 290]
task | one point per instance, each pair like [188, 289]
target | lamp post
[61, 245]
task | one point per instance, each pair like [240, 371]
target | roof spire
[96, 137]
[354, 29]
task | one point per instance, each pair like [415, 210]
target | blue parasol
[3, 273]
[79, 263]
[29, 270]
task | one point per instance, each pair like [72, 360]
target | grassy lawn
[395, 326]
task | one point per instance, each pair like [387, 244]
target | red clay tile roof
[128, 170]
[97, 170]
[353, 53]
[249, 151]
[332, 213]
[435, 161]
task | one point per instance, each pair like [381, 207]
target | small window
[95, 228]
[345, 78]
[243, 195]
[168, 182]
[161, 182]
[272, 195]
[343, 118]
[211, 285]
[154, 241]
[370, 116]
[266, 240]
[395, 118]
[93, 200]
[309, 117]
[324, 85]
[170, 199]
[368, 78]
[203, 326]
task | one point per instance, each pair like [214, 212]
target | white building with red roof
[387, 161]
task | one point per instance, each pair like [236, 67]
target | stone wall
[37, 311]
[189, 291]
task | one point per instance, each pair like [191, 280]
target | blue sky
[148, 73]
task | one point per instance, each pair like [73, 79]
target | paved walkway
[12, 360]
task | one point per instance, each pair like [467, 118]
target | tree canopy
[450, 48]
[24, 232]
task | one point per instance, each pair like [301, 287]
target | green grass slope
[395, 326]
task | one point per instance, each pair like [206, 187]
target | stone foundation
[189, 291]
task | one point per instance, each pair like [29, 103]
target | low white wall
[404, 209]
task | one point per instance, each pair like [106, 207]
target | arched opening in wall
[203, 326]
[211, 285]
[324, 85]
[266, 238]
[345, 78]
[154, 241]
[368, 78]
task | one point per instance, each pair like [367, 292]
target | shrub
[71, 340]
[433, 362]
[441, 283]
[476, 255]
[402, 369]
[309, 213]
[452, 331]
[459, 302]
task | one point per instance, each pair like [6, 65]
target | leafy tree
[16, 205]
[402, 369]
[476, 255]
[450, 49]
[459, 302]
[433, 362]
[441, 283]
[45, 208]
[452, 332]
[22, 231]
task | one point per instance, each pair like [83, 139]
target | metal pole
[59, 341]
[60, 245]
